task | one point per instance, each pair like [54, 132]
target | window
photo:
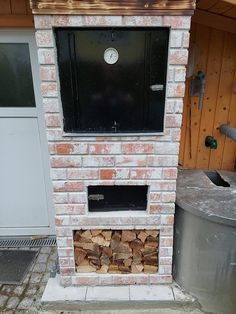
[16, 77]
[113, 80]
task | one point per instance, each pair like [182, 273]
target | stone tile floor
[26, 298]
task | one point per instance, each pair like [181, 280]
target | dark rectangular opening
[215, 178]
[117, 198]
[113, 79]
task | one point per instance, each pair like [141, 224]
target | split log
[137, 257]
[86, 234]
[96, 232]
[103, 269]
[128, 262]
[79, 255]
[86, 269]
[94, 247]
[153, 233]
[116, 235]
[128, 235]
[135, 269]
[125, 269]
[122, 248]
[121, 256]
[115, 243]
[136, 244]
[150, 269]
[142, 236]
[107, 234]
[107, 251]
[100, 240]
[113, 268]
[105, 260]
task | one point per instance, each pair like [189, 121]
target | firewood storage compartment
[116, 251]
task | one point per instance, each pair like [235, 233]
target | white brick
[46, 56]
[60, 198]
[102, 20]
[79, 198]
[176, 39]
[75, 20]
[51, 105]
[142, 20]
[42, 21]
[180, 74]
[44, 38]
[58, 174]
[166, 148]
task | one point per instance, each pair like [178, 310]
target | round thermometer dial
[111, 55]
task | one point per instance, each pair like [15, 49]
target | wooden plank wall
[15, 13]
[213, 52]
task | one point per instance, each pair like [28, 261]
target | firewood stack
[116, 251]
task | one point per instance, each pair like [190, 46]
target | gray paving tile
[25, 304]
[119, 293]
[151, 293]
[3, 300]
[55, 292]
[19, 290]
[12, 302]
[35, 278]
[39, 268]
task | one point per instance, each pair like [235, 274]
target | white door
[25, 190]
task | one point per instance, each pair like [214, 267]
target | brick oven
[113, 82]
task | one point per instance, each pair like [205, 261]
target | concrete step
[129, 297]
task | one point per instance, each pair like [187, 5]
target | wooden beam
[24, 21]
[215, 21]
[230, 1]
[114, 7]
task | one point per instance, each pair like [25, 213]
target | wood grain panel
[5, 7]
[18, 7]
[220, 7]
[229, 151]
[185, 130]
[206, 4]
[16, 21]
[15, 14]
[28, 8]
[218, 57]
[201, 49]
[106, 7]
[214, 63]
[214, 21]
[223, 100]
[231, 13]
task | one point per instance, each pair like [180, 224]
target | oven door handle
[157, 87]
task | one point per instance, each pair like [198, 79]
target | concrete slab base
[56, 297]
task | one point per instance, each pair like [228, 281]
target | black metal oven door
[113, 79]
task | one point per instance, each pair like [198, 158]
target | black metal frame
[117, 198]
